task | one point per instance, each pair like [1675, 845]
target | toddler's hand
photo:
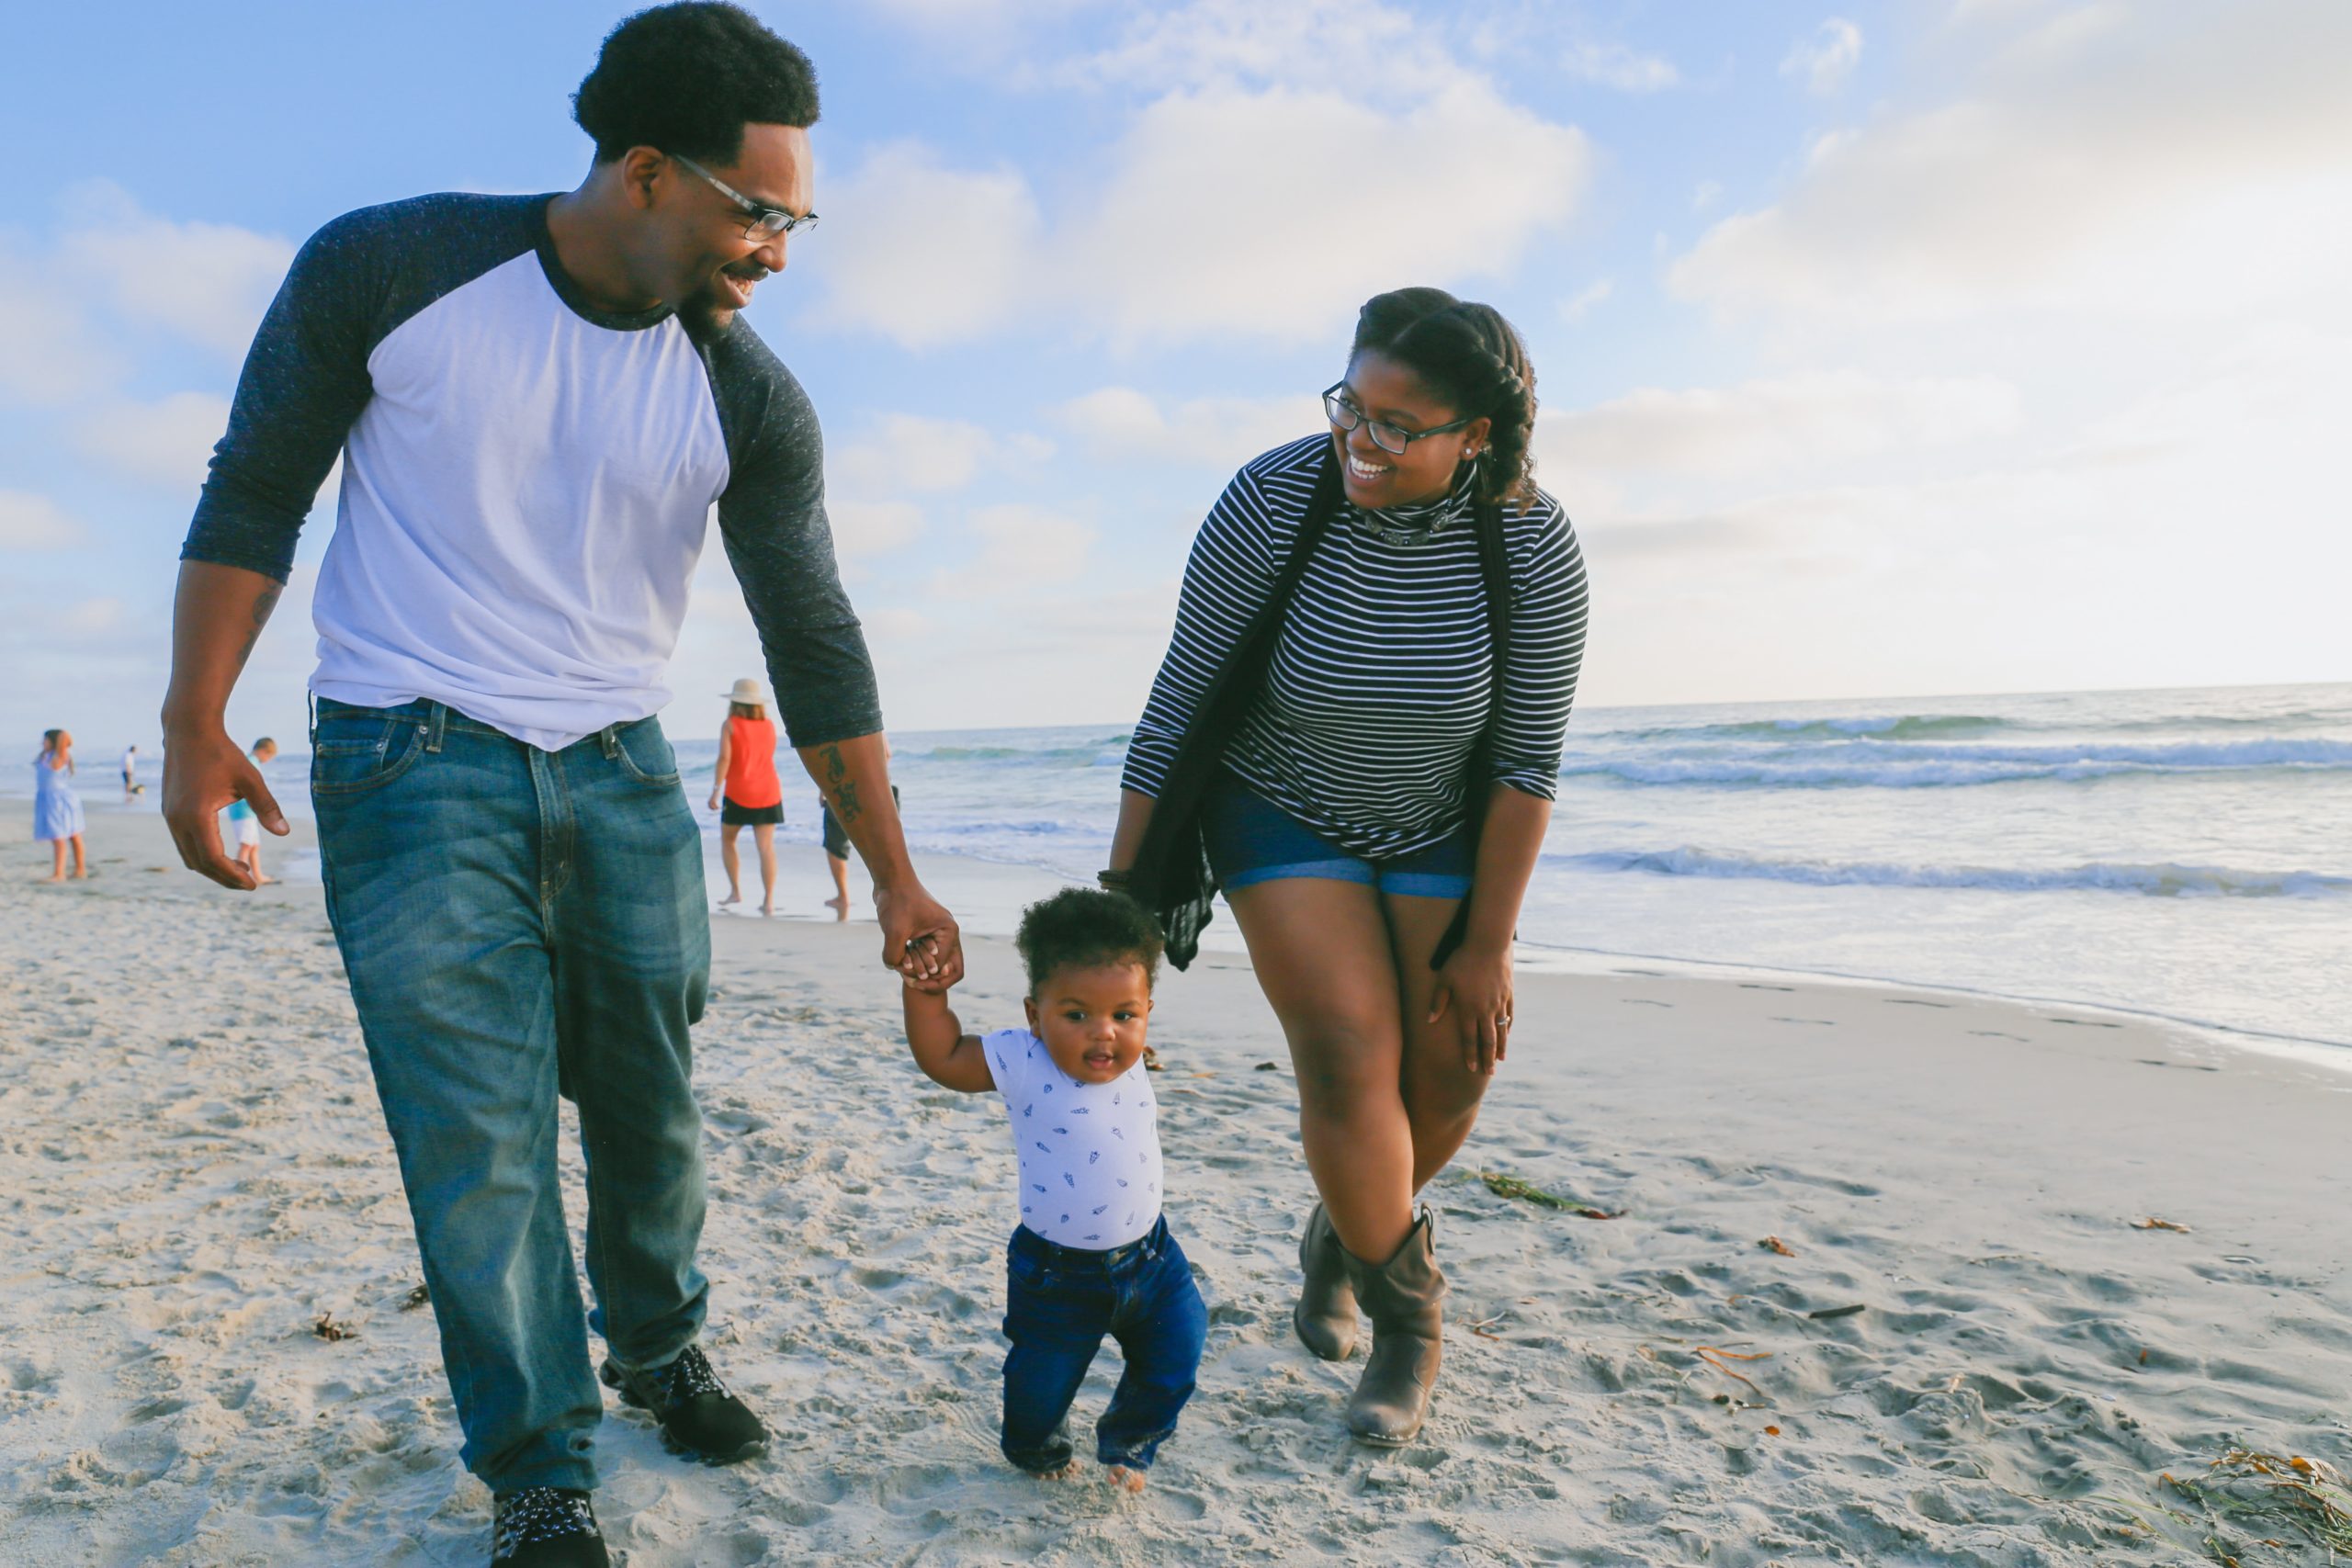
[934, 988]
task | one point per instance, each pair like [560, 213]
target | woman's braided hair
[1472, 357]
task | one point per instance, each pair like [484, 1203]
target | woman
[746, 777]
[1330, 733]
[57, 809]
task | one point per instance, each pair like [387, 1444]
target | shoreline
[994, 892]
[196, 1171]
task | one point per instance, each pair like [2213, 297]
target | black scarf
[1171, 875]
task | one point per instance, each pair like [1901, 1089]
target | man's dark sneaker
[697, 1415]
[547, 1527]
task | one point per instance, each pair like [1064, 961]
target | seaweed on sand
[1506, 1186]
[2279, 1501]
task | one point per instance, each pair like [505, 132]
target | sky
[1882, 350]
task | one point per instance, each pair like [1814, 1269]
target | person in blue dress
[57, 809]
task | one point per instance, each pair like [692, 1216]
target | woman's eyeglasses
[1390, 438]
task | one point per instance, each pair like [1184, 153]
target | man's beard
[705, 314]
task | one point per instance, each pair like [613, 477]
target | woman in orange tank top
[753, 796]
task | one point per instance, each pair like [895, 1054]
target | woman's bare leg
[1323, 956]
[840, 900]
[1441, 1094]
[57, 858]
[732, 860]
[764, 837]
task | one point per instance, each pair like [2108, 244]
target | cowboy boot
[1402, 1295]
[1325, 1313]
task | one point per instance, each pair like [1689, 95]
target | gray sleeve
[305, 380]
[772, 520]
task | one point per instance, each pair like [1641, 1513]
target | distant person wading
[57, 807]
[1357, 732]
[745, 791]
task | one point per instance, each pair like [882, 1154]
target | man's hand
[202, 774]
[920, 938]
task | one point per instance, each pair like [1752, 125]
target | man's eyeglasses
[760, 221]
[1390, 438]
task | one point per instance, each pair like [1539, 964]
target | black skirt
[736, 816]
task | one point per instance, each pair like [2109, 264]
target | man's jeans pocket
[352, 753]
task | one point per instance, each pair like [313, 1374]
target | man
[130, 771]
[537, 400]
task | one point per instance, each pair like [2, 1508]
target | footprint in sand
[1642, 1002]
[1757, 986]
[1995, 1034]
[1912, 1003]
[2085, 1023]
[1825, 1022]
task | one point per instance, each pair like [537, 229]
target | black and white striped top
[1380, 683]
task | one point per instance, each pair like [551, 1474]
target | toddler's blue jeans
[518, 923]
[1059, 1302]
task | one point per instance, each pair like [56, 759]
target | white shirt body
[524, 501]
[1089, 1152]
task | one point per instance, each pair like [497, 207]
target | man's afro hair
[686, 78]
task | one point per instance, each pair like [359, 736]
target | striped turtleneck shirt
[1384, 669]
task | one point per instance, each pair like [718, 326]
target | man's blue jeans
[517, 924]
[1059, 1302]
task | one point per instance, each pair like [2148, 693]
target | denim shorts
[1251, 839]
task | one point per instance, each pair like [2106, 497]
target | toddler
[1092, 1254]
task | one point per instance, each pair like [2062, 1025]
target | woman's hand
[1475, 987]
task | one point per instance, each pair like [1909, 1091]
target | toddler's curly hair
[1083, 928]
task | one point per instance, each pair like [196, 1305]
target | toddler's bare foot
[731, 898]
[1125, 1478]
[263, 881]
[1067, 1473]
[767, 909]
[837, 904]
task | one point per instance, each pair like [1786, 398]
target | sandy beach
[212, 1357]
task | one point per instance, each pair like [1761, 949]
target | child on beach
[246, 825]
[1092, 1254]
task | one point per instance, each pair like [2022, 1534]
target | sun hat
[748, 690]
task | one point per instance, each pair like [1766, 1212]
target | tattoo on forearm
[263, 604]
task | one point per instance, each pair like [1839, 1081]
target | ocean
[2185, 853]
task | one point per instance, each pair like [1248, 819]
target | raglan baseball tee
[528, 481]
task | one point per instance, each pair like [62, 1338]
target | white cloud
[2198, 168]
[1578, 305]
[47, 355]
[1021, 547]
[1825, 58]
[912, 452]
[29, 521]
[1234, 202]
[1352, 44]
[1122, 423]
[865, 529]
[167, 443]
[923, 253]
[208, 282]
[1260, 212]
[1782, 425]
[1614, 65]
[1709, 193]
